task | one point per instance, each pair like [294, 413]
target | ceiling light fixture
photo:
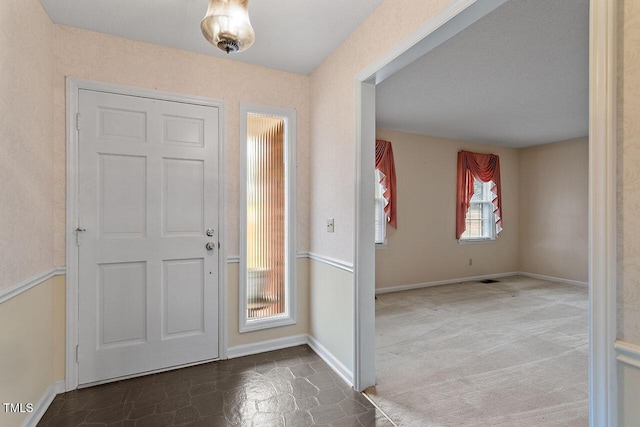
[227, 25]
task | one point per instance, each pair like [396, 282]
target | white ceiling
[291, 35]
[517, 77]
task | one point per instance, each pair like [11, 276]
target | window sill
[267, 323]
[475, 241]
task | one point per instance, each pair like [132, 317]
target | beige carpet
[512, 353]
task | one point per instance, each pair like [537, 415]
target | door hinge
[78, 353]
[77, 121]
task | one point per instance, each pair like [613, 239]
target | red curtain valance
[485, 167]
[386, 165]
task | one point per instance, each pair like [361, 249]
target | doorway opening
[601, 257]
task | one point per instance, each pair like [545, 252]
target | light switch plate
[330, 225]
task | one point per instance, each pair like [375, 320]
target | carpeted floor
[512, 353]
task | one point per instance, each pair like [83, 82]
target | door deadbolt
[210, 232]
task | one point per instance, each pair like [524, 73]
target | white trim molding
[343, 265]
[628, 353]
[45, 400]
[267, 345]
[602, 232]
[554, 279]
[443, 282]
[292, 341]
[336, 365]
[25, 285]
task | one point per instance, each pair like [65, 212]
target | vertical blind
[266, 207]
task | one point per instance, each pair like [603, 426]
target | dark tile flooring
[290, 387]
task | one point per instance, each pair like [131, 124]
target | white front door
[148, 197]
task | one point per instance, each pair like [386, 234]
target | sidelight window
[267, 259]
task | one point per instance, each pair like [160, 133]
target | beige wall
[554, 195]
[104, 58]
[235, 338]
[629, 389]
[331, 310]
[31, 353]
[26, 145]
[424, 247]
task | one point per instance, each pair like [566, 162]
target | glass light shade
[227, 25]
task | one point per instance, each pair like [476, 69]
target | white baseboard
[43, 404]
[279, 343]
[443, 282]
[338, 367]
[628, 353]
[268, 345]
[554, 279]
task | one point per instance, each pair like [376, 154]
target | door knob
[210, 246]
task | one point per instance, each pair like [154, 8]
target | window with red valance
[473, 169]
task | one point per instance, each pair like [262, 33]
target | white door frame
[602, 194]
[73, 87]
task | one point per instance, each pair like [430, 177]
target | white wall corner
[336, 365]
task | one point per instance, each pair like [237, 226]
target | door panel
[148, 287]
[183, 131]
[122, 195]
[122, 125]
[122, 303]
[183, 292]
[182, 194]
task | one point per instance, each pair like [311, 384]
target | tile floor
[290, 387]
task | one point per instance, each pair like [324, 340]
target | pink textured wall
[333, 119]
[26, 141]
[629, 171]
[95, 56]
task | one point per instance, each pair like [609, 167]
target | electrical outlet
[470, 261]
[330, 225]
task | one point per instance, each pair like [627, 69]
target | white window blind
[380, 216]
[480, 221]
[265, 216]
[267, 258]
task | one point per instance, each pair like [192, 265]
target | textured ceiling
[517, 77]
[291, 35]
